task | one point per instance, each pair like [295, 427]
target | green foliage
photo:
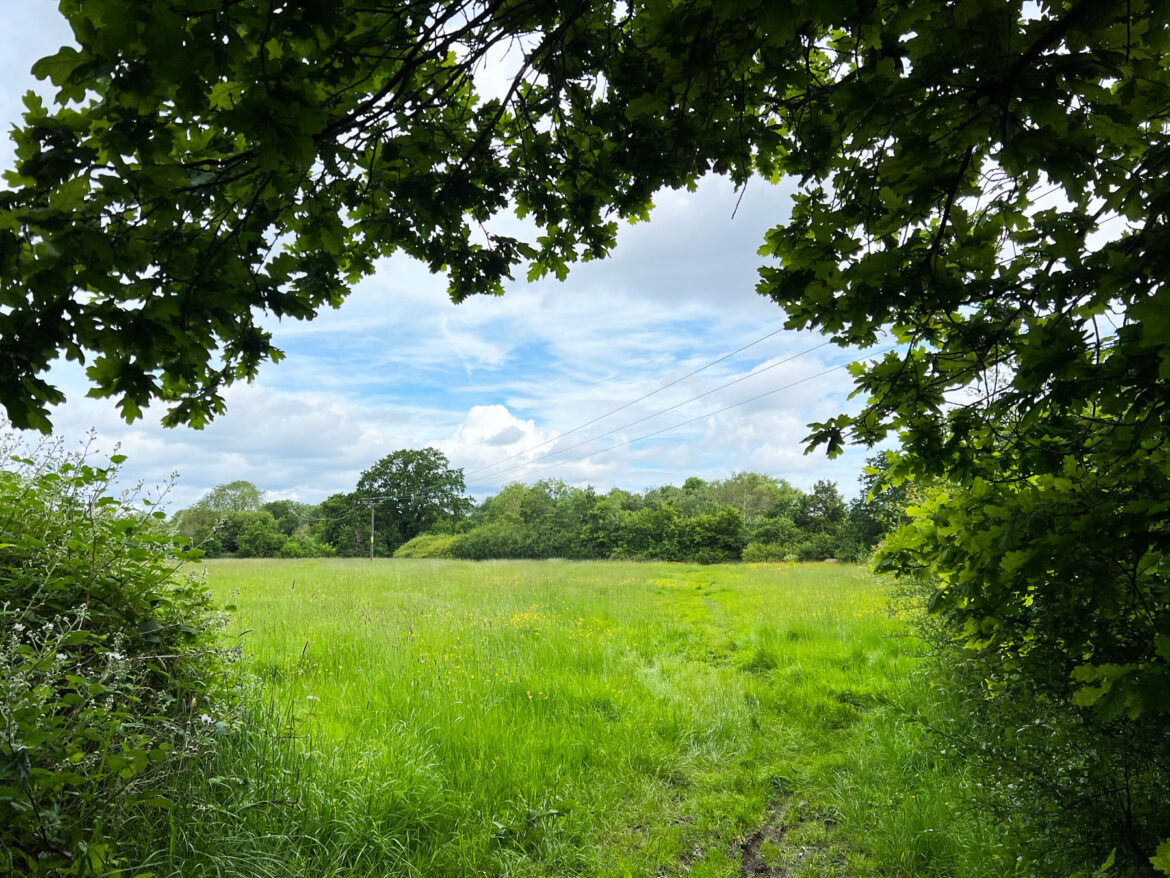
[777, 530]
[289, 515]
[494, 539]
[818, 546]
[653, 532]
[822, 511]
[1161, 858]
[428, 546]
[333, 134]
[240, 532]
[415, 490]
[260, 537]
[237, 496]
[550, 519]
[756, 552]
[756, 495]
[108, 670]
[355, 132]
[305, 545]
[213, 523]
[341, 524]
[660, 532]
[1065, 633]
[714, 538]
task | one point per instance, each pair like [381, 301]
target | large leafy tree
[755, 495]
[215, 160]
[237, 496]
[988, 184]
[339, 524]
[198, 521]
[414, 491]
[822, 510]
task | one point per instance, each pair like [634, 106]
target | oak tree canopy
[208, 161]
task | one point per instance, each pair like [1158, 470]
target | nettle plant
[109, 671]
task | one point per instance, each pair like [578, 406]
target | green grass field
[556, 718]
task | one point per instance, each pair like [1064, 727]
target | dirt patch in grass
[792, 842]
[772, 833]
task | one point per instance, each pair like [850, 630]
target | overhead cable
[706, 415]
[644, 396]
[656, 414]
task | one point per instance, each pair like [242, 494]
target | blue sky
[400, 366]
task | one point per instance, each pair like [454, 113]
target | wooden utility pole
[371, 504]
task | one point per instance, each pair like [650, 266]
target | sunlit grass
[554, 718]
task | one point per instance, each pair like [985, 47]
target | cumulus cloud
[507, 436]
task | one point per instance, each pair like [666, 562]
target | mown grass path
[555, 718]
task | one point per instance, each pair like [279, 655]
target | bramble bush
[109, 672]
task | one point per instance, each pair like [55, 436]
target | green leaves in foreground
[1161, 859]
[155, 219]
[1053, 592]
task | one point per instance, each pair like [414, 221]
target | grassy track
[554, 718]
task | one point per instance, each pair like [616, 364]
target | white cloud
[492, 380]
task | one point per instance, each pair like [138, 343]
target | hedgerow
[109, 672]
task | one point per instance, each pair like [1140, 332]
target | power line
[644, 396]
[625, 426]
[706, 415]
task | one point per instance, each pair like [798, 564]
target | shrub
[817, 547]
[108, 671]
[652, 533]
[757, 552]
[777, 530]
[1050, 599]
[260, 538]
[230, 526]
[714, 538]
[496, 539]
[306, 545]
[427, 546]
[207, 542]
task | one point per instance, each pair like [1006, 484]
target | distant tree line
[420, 510]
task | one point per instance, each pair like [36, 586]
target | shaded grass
[555, 718]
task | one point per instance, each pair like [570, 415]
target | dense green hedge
[704, 522]
[109, 674]
[693, 524]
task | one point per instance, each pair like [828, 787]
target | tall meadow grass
[555, 718]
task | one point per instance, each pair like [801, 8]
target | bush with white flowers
[107, 662]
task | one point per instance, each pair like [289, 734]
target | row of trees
[421, 510]
[234, 519]
[749, 516]
[411, 492]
